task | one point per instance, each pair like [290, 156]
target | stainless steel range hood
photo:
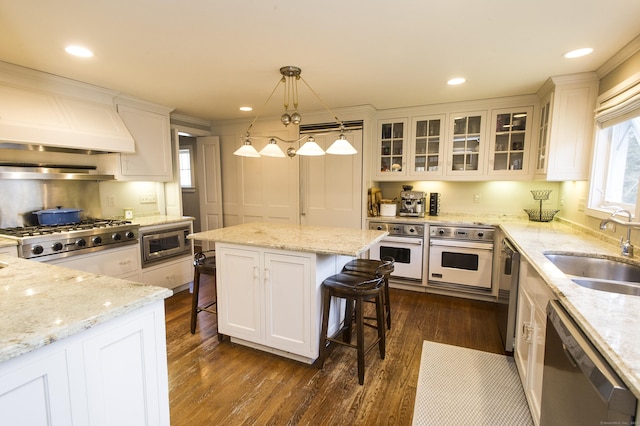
[50, 112]
[50, 172]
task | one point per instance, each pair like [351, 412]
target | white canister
[388, 208]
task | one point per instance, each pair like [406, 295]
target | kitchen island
[269, 278]
[79, 348]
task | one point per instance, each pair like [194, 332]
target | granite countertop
[42, 303]
[302, 238]
[610, 320]
[160, 220]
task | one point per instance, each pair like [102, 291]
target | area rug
[460, 386]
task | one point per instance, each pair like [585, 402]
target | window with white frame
[616, 160]
[186, 168]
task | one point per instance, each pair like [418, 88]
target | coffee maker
[412, 203]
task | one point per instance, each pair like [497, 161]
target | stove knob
[116, 237]
[56, 246]
[37, 249]
[81, 242]
[97, 240]
[480, 234]
[412, 230]
[129, 235]
[441, 231]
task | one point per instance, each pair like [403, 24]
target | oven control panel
[461, 233]
[399, 229]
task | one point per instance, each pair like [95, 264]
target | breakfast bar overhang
[269, 278]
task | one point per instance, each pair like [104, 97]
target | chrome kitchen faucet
[626, 246]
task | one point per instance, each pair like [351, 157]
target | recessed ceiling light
[244, 108]
[80, 51]
[456, 81]
[578, 53]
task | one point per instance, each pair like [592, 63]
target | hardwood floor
[213, 383]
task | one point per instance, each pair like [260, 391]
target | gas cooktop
[55, 241]
[36, 230]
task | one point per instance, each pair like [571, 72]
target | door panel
[209, 182]
[331, 185]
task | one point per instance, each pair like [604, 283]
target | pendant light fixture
[290, 77]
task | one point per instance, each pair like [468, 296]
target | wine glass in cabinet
[427, 144]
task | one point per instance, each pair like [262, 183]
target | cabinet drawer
[112, 262]
[170, 274]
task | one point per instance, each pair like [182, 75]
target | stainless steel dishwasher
[579, 387]
[508, 293]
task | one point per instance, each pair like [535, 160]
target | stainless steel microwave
[163, 244]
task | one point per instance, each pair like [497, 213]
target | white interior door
[209, 180]
[331, 185]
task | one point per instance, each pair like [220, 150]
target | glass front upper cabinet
[392, 150]
[467, 144]
[427, 145]
[543, 131]
[510, 141]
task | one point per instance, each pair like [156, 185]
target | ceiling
[206, 58]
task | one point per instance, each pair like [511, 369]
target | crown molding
[622, 55]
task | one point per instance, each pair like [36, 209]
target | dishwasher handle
[604, 380]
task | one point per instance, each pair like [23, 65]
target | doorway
[188, 182]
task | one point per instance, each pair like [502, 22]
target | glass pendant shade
[247, 150]
[310, 148]
[272, 150]
[341, 147]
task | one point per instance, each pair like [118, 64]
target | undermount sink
[620, 287]
[599, 273]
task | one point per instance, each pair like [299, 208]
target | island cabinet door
[240, 294]
[287, 281]
[34, 389]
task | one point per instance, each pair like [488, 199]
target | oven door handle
[403, 240]
[461, 244]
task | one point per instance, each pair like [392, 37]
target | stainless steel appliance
[434, 204]
[412, 203]
[579, 387]
[405, 243]
[508, 293]
[461, 257]
[49, 242]
[164, 242]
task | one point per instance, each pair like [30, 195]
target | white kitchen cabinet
[533, 297]
[565, 130]
[120, 262]
[391, 160]
[426, 148]
[272, 298]
[466, 145]
[9, 250]
[269, 301]
[35, 391]
[149, 125]
[170, 274]
[510, 143]
[112, 374]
